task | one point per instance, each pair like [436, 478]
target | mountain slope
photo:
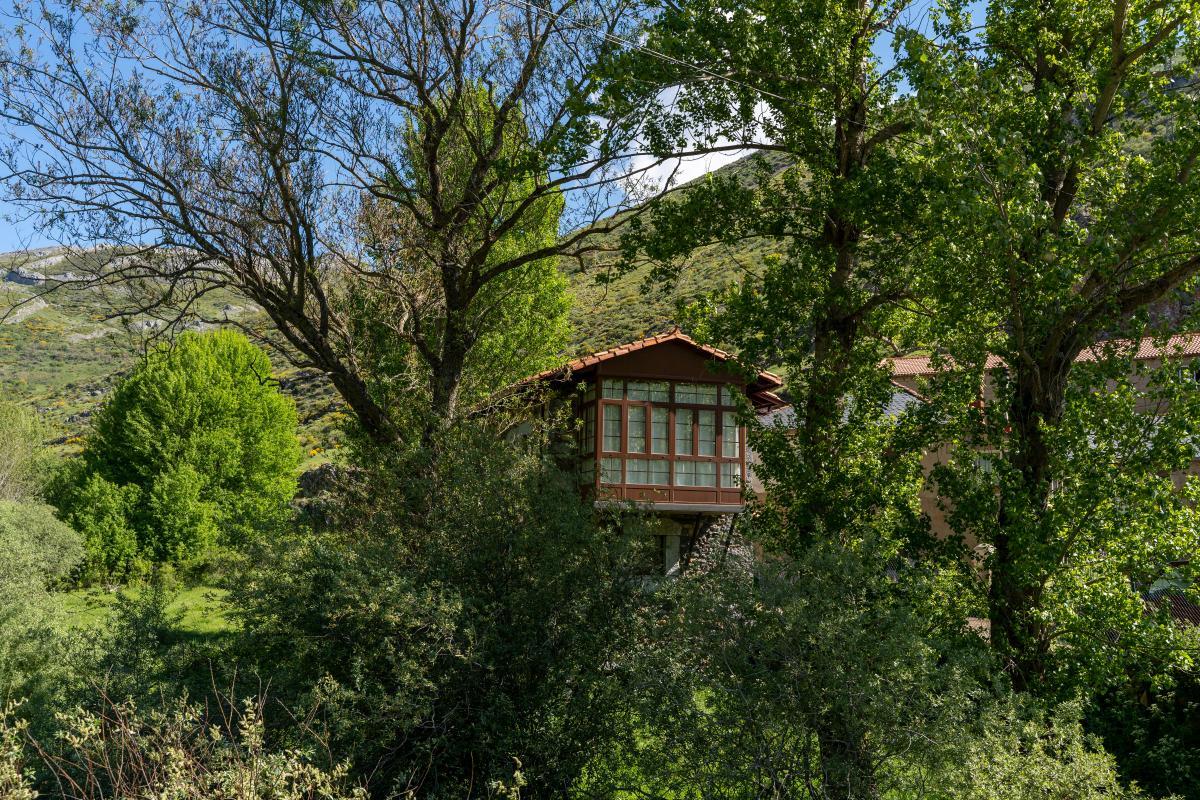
[62, 353]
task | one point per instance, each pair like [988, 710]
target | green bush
[36, 552]
[452, 623]
[1021, 752]
[38, 549]
[197, 447]
[180, 751]
[23, 456]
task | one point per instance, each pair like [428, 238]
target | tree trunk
[371, 416]
[447, 378]
[1018, 568]
[847, 770]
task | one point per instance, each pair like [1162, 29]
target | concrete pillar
[671, 566]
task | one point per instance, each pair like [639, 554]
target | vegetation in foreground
[444, 616]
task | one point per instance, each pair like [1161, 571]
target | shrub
[23, 457]
[196, 447]
[179, 752]
[482, 619]
[36, 551]
[1022, 752]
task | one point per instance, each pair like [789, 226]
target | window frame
[722, 410]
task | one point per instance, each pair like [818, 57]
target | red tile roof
[1180, 345]
[763, 384]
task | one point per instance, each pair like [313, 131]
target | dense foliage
[511, 326]
[1068, 142]
[40, 553]
[451, 617]
[196, 448]
[437, 640]
[23, 458]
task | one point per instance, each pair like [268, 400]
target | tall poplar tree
[838, 199]
[1070, 135]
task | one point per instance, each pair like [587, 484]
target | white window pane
[659, 431]
[636, 470]
[648, 472]
[731, 436]
[706, 473]
[660, 392]
[653, 391]
[731, 475]
[685, 473]
[684, 421]
[697, 393]
[637, 429]
[610, 470]
[612, 428]
[708, 433]
[614, 390]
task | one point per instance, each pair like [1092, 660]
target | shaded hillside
[63, 354]
[632, 305]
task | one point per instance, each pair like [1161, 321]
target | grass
[201, 610]
[65, 357]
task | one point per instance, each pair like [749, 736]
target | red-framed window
[662, 435]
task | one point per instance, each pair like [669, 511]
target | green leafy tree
[241, 149]
[196, 447]
[23, 456]
[1070, 136]
[102, 511]
[845, 223]
[490, 329]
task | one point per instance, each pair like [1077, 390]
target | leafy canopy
[197, 447]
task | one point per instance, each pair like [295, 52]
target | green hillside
[62, 353]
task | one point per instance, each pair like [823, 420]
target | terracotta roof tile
[1180, 345]
[762, 387]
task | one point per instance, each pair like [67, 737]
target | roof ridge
[674, 334]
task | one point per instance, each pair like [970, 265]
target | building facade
[662, 430]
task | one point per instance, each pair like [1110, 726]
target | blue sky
[17, 233]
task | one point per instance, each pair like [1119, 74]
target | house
[910, 373]
[660, 431]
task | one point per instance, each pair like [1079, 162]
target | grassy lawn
[201, 609]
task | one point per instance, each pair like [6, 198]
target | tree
[438, 645]
[515, 325]
[1071, 144]
[846, 217]
[236, 145]
[22, 451]
[196, 447]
